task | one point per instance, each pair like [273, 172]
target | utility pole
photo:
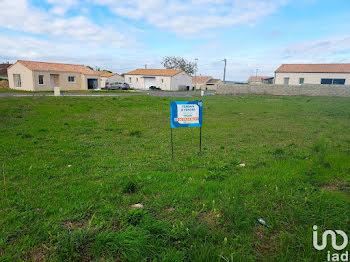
[256, 74]
[195, 76]
[224, 69]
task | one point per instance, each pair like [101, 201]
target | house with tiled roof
[205, 82]
[212, 84]
[260, 80]
[43, 76]
[314, 74]
[108, 77]
[199, 82]
[164, 79]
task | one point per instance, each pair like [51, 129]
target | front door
[52, 81]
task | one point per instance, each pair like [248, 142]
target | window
[129, 79]
[331, 81]
[326, 81]
[301, 80]
[338, 81]
[71, 79]
[162, 80]
[286, 80]
[137, 79]
[41, 79]
[17, 80]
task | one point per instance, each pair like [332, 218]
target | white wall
[138, 82]
[115, 78]
[134, 81]
[26, 77]
[112, 79]
[180, 81]
[61, 80]
[309, 78]
[103, 81]
[168, 83]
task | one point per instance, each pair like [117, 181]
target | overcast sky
[126, 34]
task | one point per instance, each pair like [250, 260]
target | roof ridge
[49, 62]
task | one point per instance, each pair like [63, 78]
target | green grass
[7, 90]
[72, 167]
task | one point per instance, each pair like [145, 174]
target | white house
[42, 76]
[165, 79]
[107, 77]
[315, 74]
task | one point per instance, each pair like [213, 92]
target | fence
[284, 90]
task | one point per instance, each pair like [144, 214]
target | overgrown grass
[72, 167]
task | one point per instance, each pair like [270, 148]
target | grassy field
[72, 167]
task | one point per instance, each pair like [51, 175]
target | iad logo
[333, 234]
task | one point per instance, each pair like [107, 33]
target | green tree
[173, 62]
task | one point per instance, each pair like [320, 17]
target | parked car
[154, 88]
[117, 85]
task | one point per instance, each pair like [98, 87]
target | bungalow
[108, 77]
[42, 76]
[165, 79]
[314, 74]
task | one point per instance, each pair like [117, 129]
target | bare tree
[173, 62]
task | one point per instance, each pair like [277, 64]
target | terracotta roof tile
[200, 79]
[155, 72]
[314, 68]
[108, 74]
[44, 66]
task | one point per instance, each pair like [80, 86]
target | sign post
[186, 114]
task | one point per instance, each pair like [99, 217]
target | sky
[123, 35]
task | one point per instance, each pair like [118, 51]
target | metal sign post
[200, 141]
[172, 144]
[186, 114]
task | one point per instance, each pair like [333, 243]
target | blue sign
[186, 113]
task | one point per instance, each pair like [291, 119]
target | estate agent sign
[186, 114]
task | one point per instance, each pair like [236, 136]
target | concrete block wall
[284, 90]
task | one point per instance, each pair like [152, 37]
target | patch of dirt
[116, 225]
[211, 218]
[85, 255]
[39, 254]
[265, 241]
[71, 225]
[170, 209]
[337, 186]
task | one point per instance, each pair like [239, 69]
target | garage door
[149, 81]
